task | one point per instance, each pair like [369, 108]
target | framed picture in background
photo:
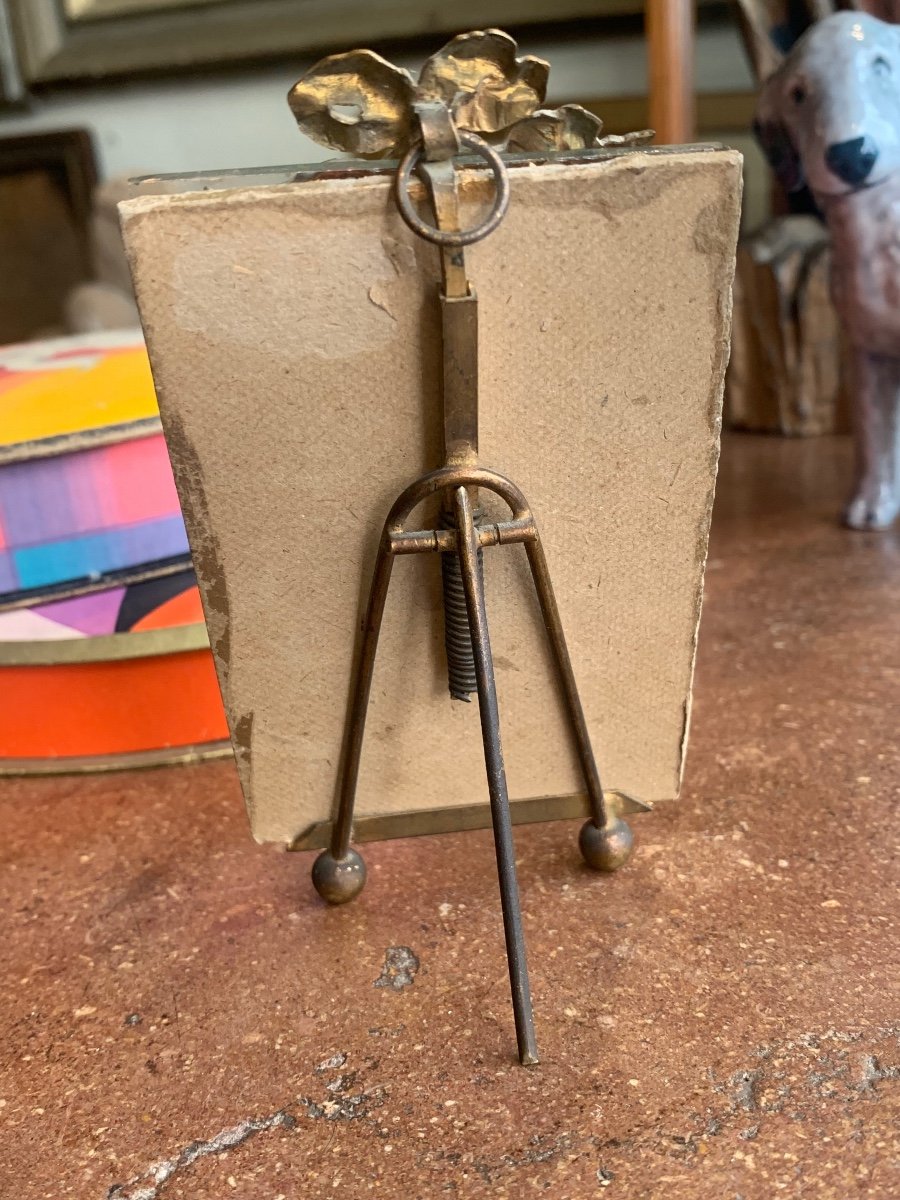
[66, 39]
[12, 86]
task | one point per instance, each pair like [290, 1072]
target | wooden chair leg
[670, 50]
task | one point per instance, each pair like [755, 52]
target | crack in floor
[337, 1106]
[786, 1076]
[147, 1185]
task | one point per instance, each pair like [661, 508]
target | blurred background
[98, 90]
[103, 652]
[194, 84]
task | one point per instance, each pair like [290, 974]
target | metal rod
[501, 533]
[566, 680]
[459, 393]
[459, 331]
[496, 778]
[359, 700]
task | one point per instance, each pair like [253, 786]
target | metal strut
[339, 872]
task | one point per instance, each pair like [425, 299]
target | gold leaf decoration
[357, 102]
[568, 128]
[480, 79]
[360, 103]
[637, 138]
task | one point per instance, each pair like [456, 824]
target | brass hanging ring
[451, 237]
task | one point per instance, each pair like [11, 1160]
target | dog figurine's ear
[781, 153]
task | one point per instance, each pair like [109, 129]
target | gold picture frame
[12, 85]
[92, 10]
[70, 39]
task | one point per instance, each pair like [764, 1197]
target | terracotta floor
[182, 1019]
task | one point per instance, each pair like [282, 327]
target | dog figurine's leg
[876, 415]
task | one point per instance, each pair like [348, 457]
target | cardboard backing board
[294, 337]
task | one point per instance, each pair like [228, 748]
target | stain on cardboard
[211, 577]
[242, 736]
[204, 546]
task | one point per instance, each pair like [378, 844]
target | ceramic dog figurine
[829, 116]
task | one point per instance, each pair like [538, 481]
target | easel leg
[496, 776]
[339, 872]
[606, 840]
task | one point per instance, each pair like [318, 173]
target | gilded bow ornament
[360, 103]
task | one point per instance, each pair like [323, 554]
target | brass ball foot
[338, 880]
[608, 848]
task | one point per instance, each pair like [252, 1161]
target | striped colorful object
[72, 385]
[101, 714]
[104, 659]
[166, 602]
[80, 516]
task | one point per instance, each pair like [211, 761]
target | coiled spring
[461, 676]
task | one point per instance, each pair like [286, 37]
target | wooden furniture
[46, 181]
[670, 50]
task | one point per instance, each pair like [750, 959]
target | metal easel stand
[339, 872]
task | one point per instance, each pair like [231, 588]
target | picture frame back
[295, 346]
